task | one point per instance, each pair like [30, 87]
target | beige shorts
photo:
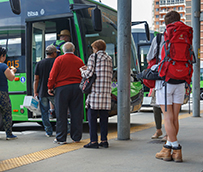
[175, 94]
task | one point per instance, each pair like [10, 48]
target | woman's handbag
[86, 83]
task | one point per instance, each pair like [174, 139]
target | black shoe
[91, 145]
[104, 144]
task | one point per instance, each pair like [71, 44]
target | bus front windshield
[108, 34]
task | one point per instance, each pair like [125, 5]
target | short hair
[50, 49]
[171, 16]
[99, 44]
[68, 47]
[3, 51]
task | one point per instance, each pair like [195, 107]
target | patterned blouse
[100, 96]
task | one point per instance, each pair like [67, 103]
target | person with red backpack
[176, 69]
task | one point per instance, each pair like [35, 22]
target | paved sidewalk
[136, 154]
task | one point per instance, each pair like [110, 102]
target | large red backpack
[177, 54]
[155, 60]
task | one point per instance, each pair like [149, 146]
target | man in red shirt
[64, 80]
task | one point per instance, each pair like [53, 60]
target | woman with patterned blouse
[99, 100]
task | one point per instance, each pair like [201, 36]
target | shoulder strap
[95, 61]
[158, 41]
[61, 44]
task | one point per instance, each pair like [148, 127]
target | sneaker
[49, 135]
[52, 114]
[91, 145]
[58, 142]
[11, 137]
[104, 144]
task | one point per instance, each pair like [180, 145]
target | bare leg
[176, 110]
[170, 125]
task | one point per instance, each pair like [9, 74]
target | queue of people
[60, 79]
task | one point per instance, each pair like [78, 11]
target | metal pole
[124, 53]
[196, 45]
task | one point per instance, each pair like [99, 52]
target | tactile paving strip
[48, 153]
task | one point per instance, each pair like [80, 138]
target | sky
[141, 10]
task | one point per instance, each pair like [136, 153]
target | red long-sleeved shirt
[65, 71]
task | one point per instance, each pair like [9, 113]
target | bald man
[64, 80]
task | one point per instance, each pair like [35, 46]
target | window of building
[157, 3]
[157, 23]
[157, 9]
[180, 8]
[157, 16]
[174, 8]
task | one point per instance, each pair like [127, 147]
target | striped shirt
[100, 96]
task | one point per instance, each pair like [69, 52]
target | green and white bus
[26, 36]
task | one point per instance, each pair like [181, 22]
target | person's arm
[89, 69]
[151, 52]
[36, 83]
[10, 73]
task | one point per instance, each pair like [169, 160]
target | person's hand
[36, 94]
[51, 92]
[83, 68]
[13, 69]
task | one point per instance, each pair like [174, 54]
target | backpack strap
[61, 44]
[95, 61]
[58, 47]
[158, 41]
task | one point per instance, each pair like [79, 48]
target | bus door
[38, 44]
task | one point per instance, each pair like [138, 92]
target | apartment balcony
[183, 18]
[165, 11]
[181, 11]
[172, 4]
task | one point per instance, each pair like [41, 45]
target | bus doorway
[40, 34]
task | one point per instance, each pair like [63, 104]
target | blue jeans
[44, 107]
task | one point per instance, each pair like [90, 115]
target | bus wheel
[201, 94]
[1, 122]
[52, 123]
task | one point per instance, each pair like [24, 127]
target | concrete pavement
[136, 154]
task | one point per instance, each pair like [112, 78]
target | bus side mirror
[147, 31]
[15, 6]
[96, 19]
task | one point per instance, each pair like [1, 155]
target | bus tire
[201, 94]
[53, 124]
[1, 122]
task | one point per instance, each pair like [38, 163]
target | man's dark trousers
[69, 96]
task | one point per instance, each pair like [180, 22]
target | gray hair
[68, 47]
